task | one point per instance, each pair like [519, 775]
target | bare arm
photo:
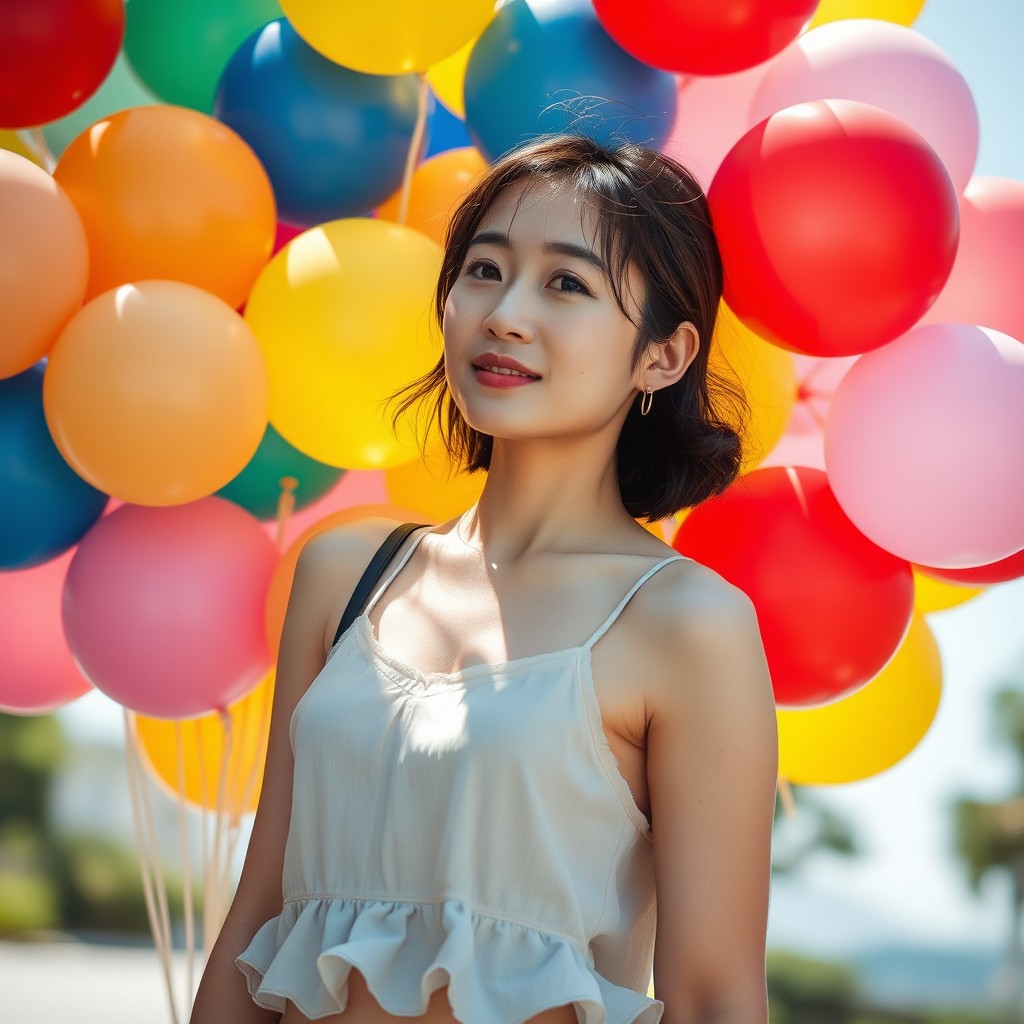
[712, 771]
[326, 572]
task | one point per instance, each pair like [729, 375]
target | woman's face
[535, 344]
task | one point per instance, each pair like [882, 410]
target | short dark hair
[653, 216]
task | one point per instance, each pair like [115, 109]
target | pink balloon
[803, 443]
[923, 445]
[356, 487]
[37, 673]
[713, 112]
[163, 607]
[888, 66]
[985, 284]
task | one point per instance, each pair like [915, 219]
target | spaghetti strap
[606, 625]
[394, 572]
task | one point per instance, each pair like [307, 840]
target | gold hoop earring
[645, 402]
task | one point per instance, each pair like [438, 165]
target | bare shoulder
[332, 561]
[703, 642]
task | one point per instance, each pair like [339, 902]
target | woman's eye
[482, 265]
[576, 287]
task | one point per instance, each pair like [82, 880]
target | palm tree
[989, 836]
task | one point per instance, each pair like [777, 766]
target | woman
[547, 740]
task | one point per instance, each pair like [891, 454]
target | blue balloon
[446, 131]
[47, 506]
[334, 142]
[550, 67]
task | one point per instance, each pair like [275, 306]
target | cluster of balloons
[228, 216]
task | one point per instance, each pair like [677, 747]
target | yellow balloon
[448, 77]
[903, 12]
[767, 374]
[391, 37]
[861, 735]
[430, 486]
[934, 595]
[344, 316]
[12, 142]
[204, 746]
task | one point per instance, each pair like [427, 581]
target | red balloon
[704, 37]
[1009, 568]
[838, 226]
[284, 234]
[54, 54]
[832, 606]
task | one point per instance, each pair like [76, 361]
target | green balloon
[120, 90]
[259, 486]
[180, 47]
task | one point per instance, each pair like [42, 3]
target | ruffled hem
[497, 971]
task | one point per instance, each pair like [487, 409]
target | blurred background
[894, 899]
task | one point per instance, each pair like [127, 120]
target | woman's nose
[510, 318]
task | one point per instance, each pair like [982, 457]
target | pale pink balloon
[803, 443]
[923, 445]
[985, 285]
[163, 606]
[37, 673]
[712, 113]
[355, 487]
[889, 66]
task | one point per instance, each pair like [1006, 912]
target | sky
[907, 885]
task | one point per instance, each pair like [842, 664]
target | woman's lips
[501, 378]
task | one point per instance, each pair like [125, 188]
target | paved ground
[81, 983]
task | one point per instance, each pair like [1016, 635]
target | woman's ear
[667, 361]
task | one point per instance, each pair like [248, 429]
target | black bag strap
[373, 573]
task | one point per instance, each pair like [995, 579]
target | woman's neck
[547, 496]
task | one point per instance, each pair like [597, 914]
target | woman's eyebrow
[580, 252]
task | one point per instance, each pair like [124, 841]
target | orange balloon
[167, 192]
[284, 572]
[437, 186]
[44, 264]
[156, 393]
[430, 485]
[207, 752]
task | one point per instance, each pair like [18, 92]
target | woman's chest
[549, 715]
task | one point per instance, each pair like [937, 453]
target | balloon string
[204, 842]
[815, 415]
[285, 507]
[145, 838]
[258, 760]
[806, 379]
[35, 142]
[186, 874]
[260, 753]
[786, 796]
[220, 831]
[414, 149]
[235, 805]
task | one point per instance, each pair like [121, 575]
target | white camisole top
[469, 829]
